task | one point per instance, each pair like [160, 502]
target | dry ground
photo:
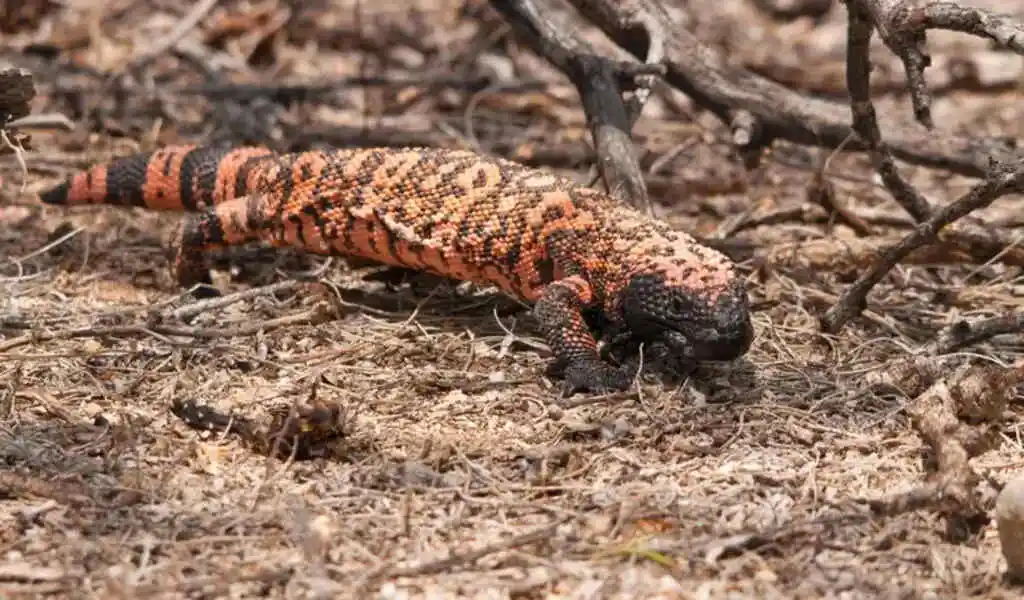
[462, 473]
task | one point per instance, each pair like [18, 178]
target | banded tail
[181, 178]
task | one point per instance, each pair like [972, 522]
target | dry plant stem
[865, 123]
[597, 79]
[1004, 179]
[902, 26]
[706, 77]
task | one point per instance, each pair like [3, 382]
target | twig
[1003, 179]
[823, 192]
[307, 317]
[858, 80]
[190, 310]
[468, 558]
[597, 79]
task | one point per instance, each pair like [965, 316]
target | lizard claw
[593, 376]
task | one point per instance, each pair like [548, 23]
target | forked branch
[600, 82]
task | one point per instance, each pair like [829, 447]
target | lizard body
[573, 251]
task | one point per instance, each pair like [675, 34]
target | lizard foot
[590, 376]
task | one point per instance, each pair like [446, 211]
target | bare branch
[706, 77]
[902, 26]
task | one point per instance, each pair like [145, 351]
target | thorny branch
[598, 81]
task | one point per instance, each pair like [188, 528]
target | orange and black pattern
[572, 250]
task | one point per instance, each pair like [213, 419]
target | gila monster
[589, 264]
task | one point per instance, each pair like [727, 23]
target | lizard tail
[179, 178]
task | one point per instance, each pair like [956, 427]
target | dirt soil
[461, 472]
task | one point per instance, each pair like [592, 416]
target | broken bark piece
[956, 417]
[1010, 521]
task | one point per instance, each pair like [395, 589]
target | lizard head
[698, 318]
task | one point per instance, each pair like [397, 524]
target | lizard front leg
[559, 312]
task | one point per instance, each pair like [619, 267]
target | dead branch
[714, 84]
[941, 414]
[598, 81]
[1004, 179]
[902, 26]
[865, 123]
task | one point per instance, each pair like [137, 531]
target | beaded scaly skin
[589, 263]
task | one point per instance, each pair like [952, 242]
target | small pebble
[1010, 520]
